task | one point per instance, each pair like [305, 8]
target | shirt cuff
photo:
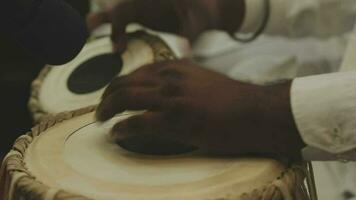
[324, 108]
[278, 18]
[253, 15]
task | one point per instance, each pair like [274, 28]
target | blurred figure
[18, 69]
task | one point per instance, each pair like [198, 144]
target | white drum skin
[75, 156]
[50, 94]
[68, 157]
[54, 95]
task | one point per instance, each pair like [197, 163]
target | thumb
[120, 16]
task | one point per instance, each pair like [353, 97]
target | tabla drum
[81, 82]
[69, 157]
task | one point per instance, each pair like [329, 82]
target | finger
[129, 99]
[166, 89]
[159, 15]
[119, 43]
[155, 14]
[194, 18]
[129, 81]
[172, 120]
[149, 123]
[115, 84]
[94, 20]
[146, 76]
[121, 16]
[149, 133]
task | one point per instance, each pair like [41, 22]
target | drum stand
[311, 181]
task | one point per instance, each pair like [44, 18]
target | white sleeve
[324, 106]
[297, 18]
[324, 109]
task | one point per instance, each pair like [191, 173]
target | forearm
[296, 18]
[232, 14]
[275, 113]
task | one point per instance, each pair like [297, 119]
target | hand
[188, 18]
[202, 108]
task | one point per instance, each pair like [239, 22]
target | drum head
[94, 74]
[76, 156]
[81, 82]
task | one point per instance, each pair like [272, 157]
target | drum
[81, 82]
[69, 157]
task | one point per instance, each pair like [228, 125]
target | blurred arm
[297, 18]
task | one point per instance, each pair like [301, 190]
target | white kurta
[324, 106]
[324, 93]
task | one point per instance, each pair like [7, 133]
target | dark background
[17, 70]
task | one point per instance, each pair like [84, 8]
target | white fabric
[332, 93]
[333, 179]
[269, 59]
[324, 121]
[324, 106]
[325, 110]
[251, 17]
[256, 63]
[295, 18]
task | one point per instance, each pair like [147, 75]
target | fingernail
[98, 116]
[105, 93]
[119, 48]
[101, 114]
[112, 137]
[119, 44]
[118, 133]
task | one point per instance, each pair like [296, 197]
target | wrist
[277, 116]
[231, 15]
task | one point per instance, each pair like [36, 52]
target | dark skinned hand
[187, 18]
[203, 108]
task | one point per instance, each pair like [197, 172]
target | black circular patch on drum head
[152, 145]
[94, 74]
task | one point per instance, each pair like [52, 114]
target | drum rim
[13, 167]
[161, 52]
